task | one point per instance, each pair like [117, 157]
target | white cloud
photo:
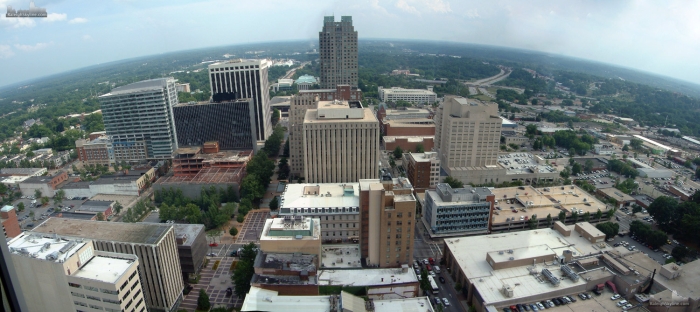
[6, 51]
[473, 13]
[16, 22]
[78, 20]
[31, 48]
[87, 37]
[401, 4]
[439, 6]
[55, 17]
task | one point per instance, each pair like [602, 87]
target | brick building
[46, 184]
[422, 169]
[408, 143]
[341, 92]
[10, 225]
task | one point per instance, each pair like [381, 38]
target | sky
[661, 37]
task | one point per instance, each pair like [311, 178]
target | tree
[565, 173]
[587, 216]
[549, 220]
[31, 214]
[424, 282]
[532, 222]
[275, 116]
[233, 231]
[454, 183]
[662, 209]
[534, 101]
[562, 216]
[251, 187]
[274, 203]
[398, 152]
[610, 229]
[45, 200]
[117, 207]
[574, 215]
[20, 206]
[244, 270]
[636, 143]
[588, 166]
[203, 303]
[679, 252]
[37, 193]
[598, 215]
[531, 129]
[58, 198]
[576, 169]
[636, 208]
[420, 148]
[625, 148]
[657, 239]
[100, 216]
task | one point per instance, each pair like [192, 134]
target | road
[291, 72]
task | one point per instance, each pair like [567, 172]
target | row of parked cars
[546, 304]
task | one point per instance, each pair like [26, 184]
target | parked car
[615, 297]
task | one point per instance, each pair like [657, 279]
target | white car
[615, 297]
[627, 307]
[445, 302]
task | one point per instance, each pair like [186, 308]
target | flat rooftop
[286, 261]
[221, 156]
[410, 139]
[367, 277]
[344, 195]
[138, 233]
[106, 267]
[366, 115]
[259, 299]
[151, 84]
[207, 176]
[189, 230]
[407, 305]
[424, 157]
[44, 247]
[279, 229]
[523, 163]
[688, 284]
[340, 256]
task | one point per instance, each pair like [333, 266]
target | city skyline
[614, 33]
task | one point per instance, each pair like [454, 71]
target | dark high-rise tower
[338, 52]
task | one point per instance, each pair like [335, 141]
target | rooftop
[107, 267]
[424, 157]
[281, 100]
[193, 153]
[259, 299]
[284, 261]
[73, 215]
[207, 176]
[402, 90]
[322, 195]
[152, 84]
[188, 231]
[337, 113]
[42, 179]
[44, 247]
[616, 194]
[340, 256]
[412, 138]
[410, 122]
[291, 228]
[7, 208]
[306, 79]
[367, 277]
[238, 62]
[138, 233]
[688, 284]
[417, 304]
[446, 195]
[523, 163]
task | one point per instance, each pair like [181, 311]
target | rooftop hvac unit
[510, 251]
[511, 258]
[52, 256]
[67, 247]
[552, 279]
[46, 246]
[570, 273]
[500, 252]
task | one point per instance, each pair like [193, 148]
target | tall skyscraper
[298, 105]
[240, 78]
[338, 52]
[141, 115]
[231, 123]
[340, 143]
[467, 137]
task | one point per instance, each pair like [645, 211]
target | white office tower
[236, 79]
[140, 115]
[57, 274]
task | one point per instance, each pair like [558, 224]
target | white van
[436, 269]
[34, 201]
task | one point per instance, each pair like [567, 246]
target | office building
[339, 92]
[140, 115]
[10, 224]
[415, 96]
[283, 85]
[306, 82]
[336, 205]
[422, 169]
[244, 79]
[340, 143]
[191, 248]
[387, 210]
[154, 244]
[69, 275]
[230, 123]
[338, 52]
[452, 212]
[467, 137]
[292, 234]
[297, 112]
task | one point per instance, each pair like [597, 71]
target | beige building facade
[340, 143]
[467, 137]
[297, 112]
[292, 235]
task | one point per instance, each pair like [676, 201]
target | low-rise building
[621, 199]
[47, 185]
[415, 96]
[10, 224]
[456, 212]
[337, 206]
[603, 149]
[409, 143]
[282, 104]
[683, 193]
[283, 85]
[29, 172]
[128, 182]
[95, 207]
[408, 127]
[292, 234]
[394, 283]
[422, 169]
[287, 273]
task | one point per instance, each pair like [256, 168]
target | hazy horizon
[656, 38]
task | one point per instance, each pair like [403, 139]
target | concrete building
[292, 234]
[231, 123]
[415, 96]
[288, 273]
[282, 104]
[603, 149]
[621, 199]
[387, 211]
[499, 270]
[195, 168]
[339, 92]
[340, 143]
[283, 85]
[141, 114]
[336, 205]
[453, 212]
[408, 127]
[154, 245]
[422, 169]
[128, 182]
[306, 82]
[338, 52]
[191, 247]
[96, 151]
[467, 137]
[386, 113]
[298, 106]
[10, 225]
[236, 79]
[183, 87]
[46, 184]
[393, 283]
[94, 207]
[29, 172]
[408, 143]
[69, 275]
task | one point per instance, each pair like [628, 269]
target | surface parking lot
[600, 303]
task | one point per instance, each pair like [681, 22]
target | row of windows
[347, 225]
[341, 233]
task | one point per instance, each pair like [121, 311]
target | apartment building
[340, 143]
[422, 169]
[387, 214]
[336, 205]
[452, 212]
[415, 96]
[297, 112]
[69, 275]
[467, 138]
[154, 245]
[244, 79]
[98, 151]
[338, 52]
[231, 123]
